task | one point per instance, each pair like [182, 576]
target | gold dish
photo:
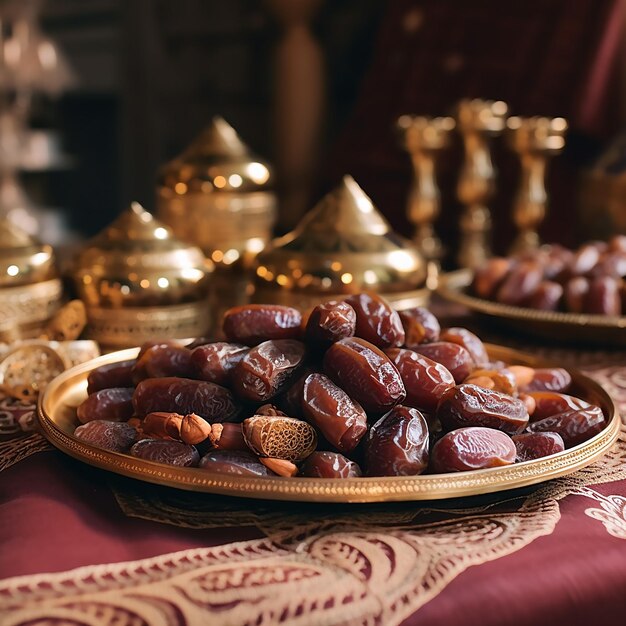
[554, 325]
[57, 416]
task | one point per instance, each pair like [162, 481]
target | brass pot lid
[136, 261]
[23, 259]
[216, 161]
[343, 245]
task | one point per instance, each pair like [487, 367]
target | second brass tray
[57, 416]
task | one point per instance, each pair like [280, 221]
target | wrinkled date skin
[279, 437]
[425, 380]
[329, 465]
[472, 448]
[290, 401]
[146, 345]
[470, 405]
[376, 321]
[214, 362]
[111, 375]
[365, 373]
[114, 405]
[455, 358]
[253, 323]
[397, 444]
[182, 395]
[267, 369]
[163, 360]
[238, 462]
[342, 420]
[469, 341]
[116, 436]
[537, 445]
[330, 322]
[420, 326]
[549, 379]
[163, 451]
[550, 403]
[574, 426]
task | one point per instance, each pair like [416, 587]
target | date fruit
[537, 445]
[114, 405]
[547, 296]
[341, 420]
[365, 373]
[576, 290]
[425, 380]
[455, 358]
[163, 360]
[472, 448]
[548, 403]
[520, 283]
[575, 426]
[227, 436]
[330, 322]
[603, 297]
[469, 341]
[329, 465]
[470, 405]
[111, 375]
[251, 324]
[116, 436]
[420, 326]
[376, 321]
[267, 369]
[397, 444]
[279, 437]
[214, 362]
[168, 452]
[240, 462]
[490, 275]
[549, 379]
[182, 395]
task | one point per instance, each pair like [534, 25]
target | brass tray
[57, 416]
[599, 330]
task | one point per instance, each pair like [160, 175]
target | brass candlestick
[534, 139]
[477, 120]
[423, 138]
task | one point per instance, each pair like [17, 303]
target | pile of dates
[354, 388]
[553, 278]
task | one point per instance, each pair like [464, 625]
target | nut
[523, 375]
[227, 437]
[194, 429]
[481, 381]
[282, 467]
[162, 425]
[529, 402]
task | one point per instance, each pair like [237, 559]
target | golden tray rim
[598, 329]
[347, 490]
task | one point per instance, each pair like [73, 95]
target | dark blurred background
[150, 74]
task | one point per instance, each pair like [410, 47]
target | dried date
[455, 358]
[267, 369]
[548, 403]
[532, 446]
[163, 360]
[116, 436]
[251, 324]
[574, 426]
[168, 452]
[549, 379]
[330, 322]
[329, 465]
[376, 321]
[490, 276]
[472, 448]
[469, 341]
[470, 405]
[425, 380]
[547, 296]
[214, 362]
[240, 462]
[114, 405]
[420, 326]
[110, 375]
[182, 395]
[603, 297]
[365, 373]
[341, 420]
[397, 444]
[576, 290]
[520, 283]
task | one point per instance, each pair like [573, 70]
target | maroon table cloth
[83, 546]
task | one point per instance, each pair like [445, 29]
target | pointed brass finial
[342, 246]
[135, 224]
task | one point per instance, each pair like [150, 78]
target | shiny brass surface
[342, 246]
[138, 281]
[576, 328]
[534, 139]
[217, 195]
[477, 120]
[424, 137]
[57, 416]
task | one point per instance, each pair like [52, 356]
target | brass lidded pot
[217, 195]
[342, 246]
[30, 290]
[138, 282]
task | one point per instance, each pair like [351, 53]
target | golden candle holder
[534, 139]
[477, 120]
[342, 246]
[138, 283]
[30, 290]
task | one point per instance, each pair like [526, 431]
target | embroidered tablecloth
[81, 546]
